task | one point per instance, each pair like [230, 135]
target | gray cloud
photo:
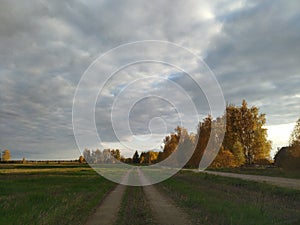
[45, 47]
[256, 57]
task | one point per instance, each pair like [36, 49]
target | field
[210, 199]
[69, 194]
[49, 194]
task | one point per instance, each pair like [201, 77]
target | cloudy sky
[252, 47]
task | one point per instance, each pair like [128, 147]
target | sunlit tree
[245, 130]
[6, 155]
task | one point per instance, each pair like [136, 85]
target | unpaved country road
[163, 208]
[107, 212]
[278, 181]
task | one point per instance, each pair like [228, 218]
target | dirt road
[278, 181]
[107, 212]
[162, 207]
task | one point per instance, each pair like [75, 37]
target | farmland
[70, 193]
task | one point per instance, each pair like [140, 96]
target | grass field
[68, 194]
[212, 199]
[49, 194]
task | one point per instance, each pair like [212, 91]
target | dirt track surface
[107, 212]
[278, 181]
[164, 209]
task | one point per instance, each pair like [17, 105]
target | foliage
[136, 157]
[105, 156]
[148, 157]
[245, 133]
[295, 135]
[224, 159]
[81, 159]
[245, 142]
[5, 155]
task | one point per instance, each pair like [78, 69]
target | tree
[81, 159]
[295, 135]
[237, 151]
[116, 154]
[224, 159]
[5, 155]
[136, 157]
[87, 155]
[246, 125]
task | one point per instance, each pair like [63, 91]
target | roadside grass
[61, 195]
[273, 172]
[211, 199]
[134, 209]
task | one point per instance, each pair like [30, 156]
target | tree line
[245, 142]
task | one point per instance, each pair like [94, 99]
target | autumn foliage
[245, 142]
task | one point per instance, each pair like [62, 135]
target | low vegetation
[212, 199]
[49, 194]
[135, 209]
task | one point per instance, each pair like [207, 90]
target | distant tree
[148, 157]
[136, 157]
[128, 160]
[106, 156]
[97, 156]
[295, 135]
[6, 155]
[152, 157]
[23, 160]
[202, 137]
[116, 154]
[81, 159]
[87, 156]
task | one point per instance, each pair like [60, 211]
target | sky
[251, 47]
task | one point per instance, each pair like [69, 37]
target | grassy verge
[59, 195]
[274, 172]
[212, 199]
[134, 209]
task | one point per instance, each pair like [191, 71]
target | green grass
[213, 199]
[134, 208]
[274, 172]
[61, 194]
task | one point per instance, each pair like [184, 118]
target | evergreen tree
[136, 157]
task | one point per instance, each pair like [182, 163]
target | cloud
[255, 57]
[46, 46]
